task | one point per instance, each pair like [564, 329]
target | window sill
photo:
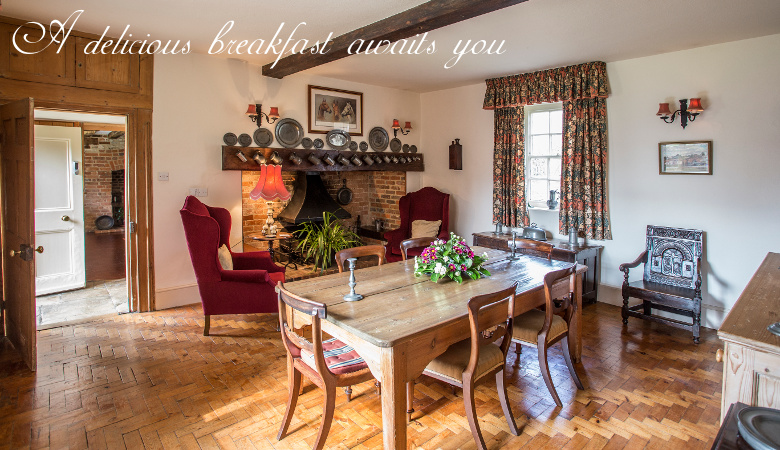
[537, 208]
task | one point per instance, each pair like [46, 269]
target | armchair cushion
[425, 228]
[225, 258]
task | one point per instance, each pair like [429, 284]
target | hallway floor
[98, 298]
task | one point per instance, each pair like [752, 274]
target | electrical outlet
[194, 192]
[202, 192]
[162, 176]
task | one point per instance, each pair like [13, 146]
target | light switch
[162, 176]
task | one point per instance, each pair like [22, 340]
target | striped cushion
[339, 357]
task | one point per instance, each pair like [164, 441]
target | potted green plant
[320, 242]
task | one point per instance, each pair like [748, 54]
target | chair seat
[339, 357]
[636, 287]
[454, 361]
[527, 326]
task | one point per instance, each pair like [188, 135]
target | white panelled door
[59, 209]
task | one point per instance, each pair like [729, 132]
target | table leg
[393, 364]
[271, 249]
[575, 327]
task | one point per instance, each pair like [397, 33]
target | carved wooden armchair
[672, 278]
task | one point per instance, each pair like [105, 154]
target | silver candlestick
[352, 296]
[514, 255]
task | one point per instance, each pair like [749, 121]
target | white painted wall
[736, 206]
[197, 99]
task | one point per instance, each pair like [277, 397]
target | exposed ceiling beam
[420, 19]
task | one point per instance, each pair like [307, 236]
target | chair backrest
[559, 297]
[673, 256]
[415, 243]
[426, 204]
[356, 252]
[543, 248]
[292, 340]
[206, 229]
[490, 319]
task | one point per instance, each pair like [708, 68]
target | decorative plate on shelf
[338, 139]
[245, 140]
[230, 139]
[413, 149]
[289, 133]
[353, 146]
[263, 137]
[405, 148]
[395, 145]
[378, 139]
[307, 142]
[318, 143]
[363, 146]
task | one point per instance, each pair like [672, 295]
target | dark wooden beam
[414, 162]
[420, 19]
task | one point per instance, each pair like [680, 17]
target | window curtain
[583, 89]
[508, 168]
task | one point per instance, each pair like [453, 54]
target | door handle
[16, 253]
[25, 252]
[65, 218]
[39, 249]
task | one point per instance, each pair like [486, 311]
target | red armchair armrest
[255, 260]
[247, 276]
[395, 236]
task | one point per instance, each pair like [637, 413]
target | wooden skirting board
[230, 160]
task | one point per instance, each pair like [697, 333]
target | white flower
[484, 255]
[457, 274]
[438, 266]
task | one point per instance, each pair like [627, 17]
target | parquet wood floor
[154, 381]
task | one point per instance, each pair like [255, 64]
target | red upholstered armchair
[248, 288]
[426, 204]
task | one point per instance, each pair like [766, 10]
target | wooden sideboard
[588, 255]
[751, 357]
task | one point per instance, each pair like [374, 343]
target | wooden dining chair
[356, 252]
[328, 364]
[473, 360]
[415, 243]
[542, 329]
[538, 248]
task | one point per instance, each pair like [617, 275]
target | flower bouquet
[453, 259]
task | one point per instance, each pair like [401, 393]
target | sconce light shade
[695, 105]
[270, 185]
[408, 126]
[396, 125]
[663, 110]
[251, 110]
[274, 112]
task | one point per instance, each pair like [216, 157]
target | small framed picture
[685, 158]
[335, 109]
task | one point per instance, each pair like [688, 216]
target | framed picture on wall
[685, 158]
[335, 109]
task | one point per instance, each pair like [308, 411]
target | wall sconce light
[687, 112]
[397, 127]
[255, 112]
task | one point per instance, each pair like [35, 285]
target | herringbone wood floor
[153, 380]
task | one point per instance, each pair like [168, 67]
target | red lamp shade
[663, 110]
[270, 185]
[695, 106]
[396, 125]
[251, 110]
[408, 126]
[274, 113]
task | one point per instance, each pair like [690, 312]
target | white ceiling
[539, 34]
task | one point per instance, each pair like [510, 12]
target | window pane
[555, 169]
[538, 191]
[540, 122]
[556, 185]
[540, 145]
[556, 121]
[538, 167]
[556, 144]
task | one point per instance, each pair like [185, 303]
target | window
[543, 144]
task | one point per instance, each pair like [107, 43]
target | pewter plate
[263, 137]
[405, 148]
[413, 149]
[289, 133]
[307, 142]
[338, 139]
[760, 427]
[318, 143]
[395, 145]
[363, 146]
[353, 146]
[378, 139]
[774, 328]
[230, 139]
[245, 140]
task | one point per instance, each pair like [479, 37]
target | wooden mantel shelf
[230, 160]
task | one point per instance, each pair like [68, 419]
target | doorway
[84, 275]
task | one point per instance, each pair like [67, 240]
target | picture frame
[685, 158]
[331, 109]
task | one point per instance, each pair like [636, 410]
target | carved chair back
[295, 342]
[356, 252]
[673, 256]
[490, 319]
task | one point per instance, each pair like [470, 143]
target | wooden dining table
[405, 321]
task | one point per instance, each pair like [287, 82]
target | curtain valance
[577, 82]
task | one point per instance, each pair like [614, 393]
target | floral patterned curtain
[508, 168]
[584, 177]
[583, 90]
